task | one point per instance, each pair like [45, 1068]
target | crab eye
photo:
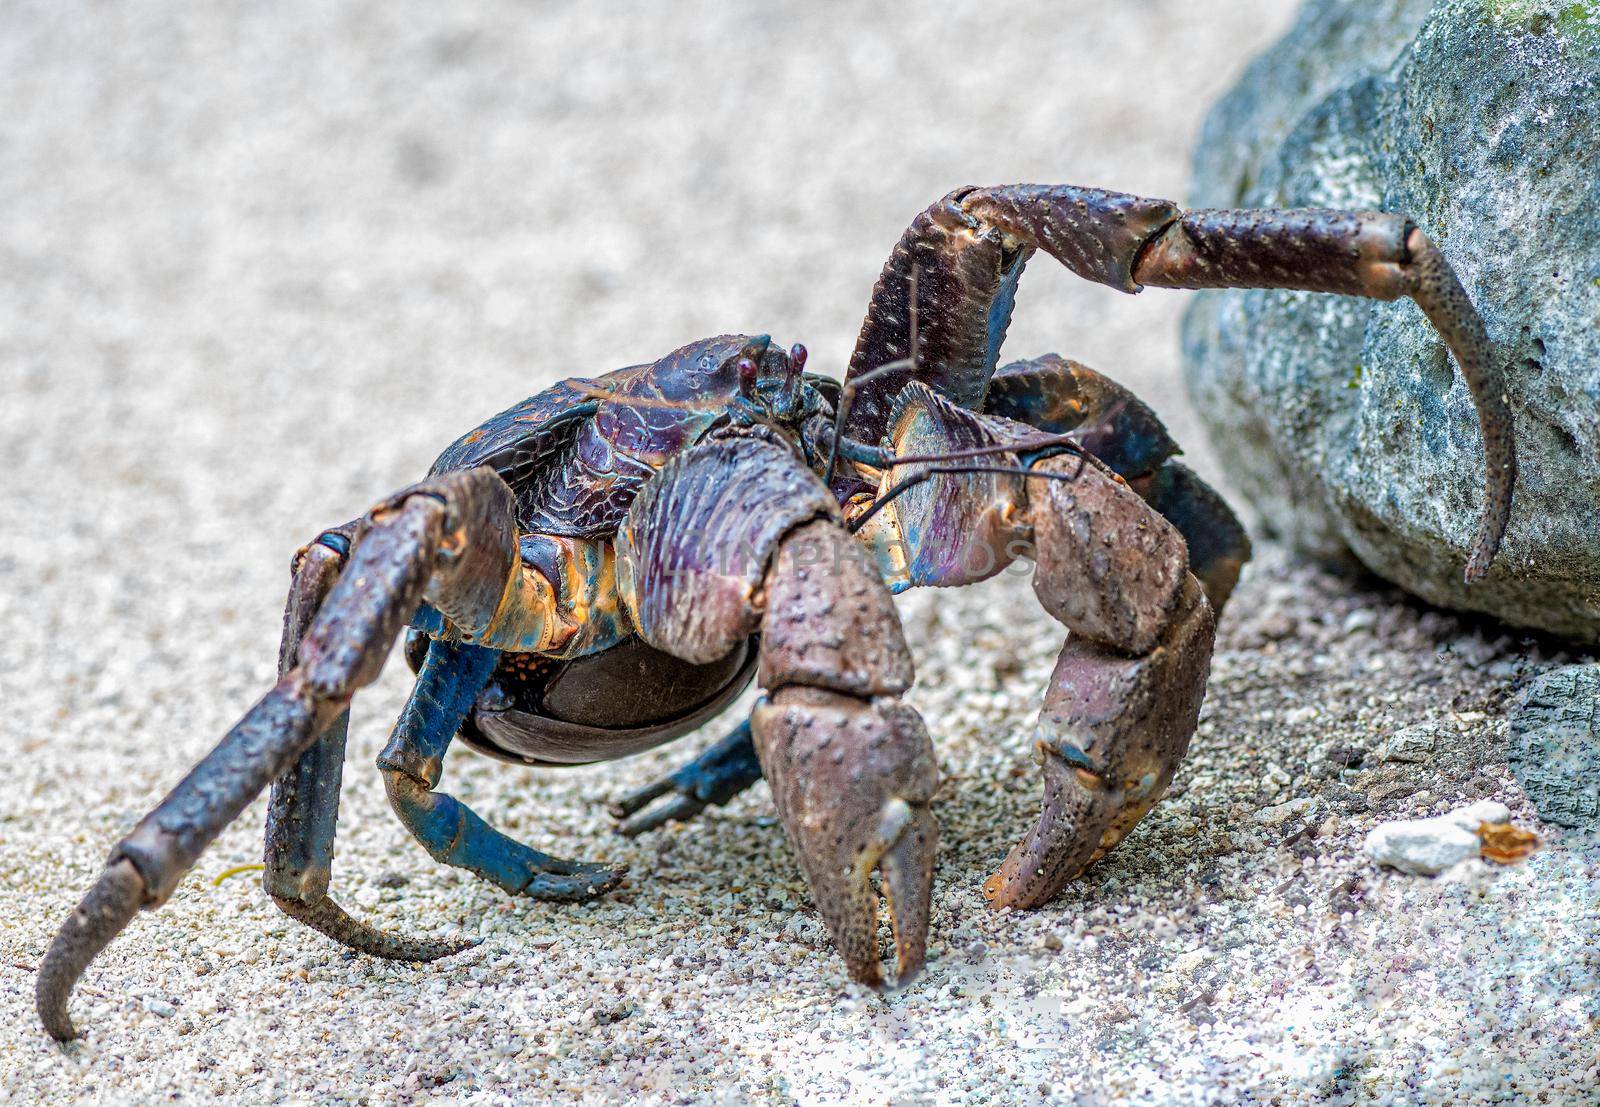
[797, 359]
[747, 376]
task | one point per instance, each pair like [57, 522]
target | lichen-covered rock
[1343, 421]
[1555, 746]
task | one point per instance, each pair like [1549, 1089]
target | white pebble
[1427, 847]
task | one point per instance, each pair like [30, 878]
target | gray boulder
[1343, 421]
[1555, 746]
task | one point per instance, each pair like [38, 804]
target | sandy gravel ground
[258, 263]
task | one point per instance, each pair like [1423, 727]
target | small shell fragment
[1506, 844]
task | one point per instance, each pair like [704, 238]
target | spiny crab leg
[433, 541]
[374, 599]
[1373, 254]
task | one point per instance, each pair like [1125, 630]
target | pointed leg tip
[429, 950]
[1001, 889]
[908, 968]
[50, 1000]
[57, 1023]
[1477, 569]
[107, 907]
[1000, 897]
[869, 973]
[425, 951]
[1010, 889]
[328, 918]
[586, 882]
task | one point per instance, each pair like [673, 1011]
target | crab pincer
[851, 767]
[852, 779]
[1112, 732]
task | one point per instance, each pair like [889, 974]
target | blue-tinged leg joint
[715, 777]
[448, 684]
[723, 771]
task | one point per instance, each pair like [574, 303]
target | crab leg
[1111, 734]
[1371, 254]
[713, 778]
[968, 250]
[439, 540]
[303, 812]
[343, 650]
[452, 675]
[1217, 541]
[1062, 396]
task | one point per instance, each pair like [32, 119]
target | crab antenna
[1072, 440]
[883, 501]
[1041, 443]
[848, 392]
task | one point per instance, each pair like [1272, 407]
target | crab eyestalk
[747, 377]
[793, 372]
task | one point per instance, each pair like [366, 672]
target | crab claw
[1112, 733]
[852, 779]
[1085, 813]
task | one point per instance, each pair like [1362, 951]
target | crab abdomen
[597, 707]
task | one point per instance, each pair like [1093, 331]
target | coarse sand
[259, 263]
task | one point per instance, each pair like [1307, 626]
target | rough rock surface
[1555, 746]
[1344, 420]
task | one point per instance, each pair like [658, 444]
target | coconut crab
[603, 567]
